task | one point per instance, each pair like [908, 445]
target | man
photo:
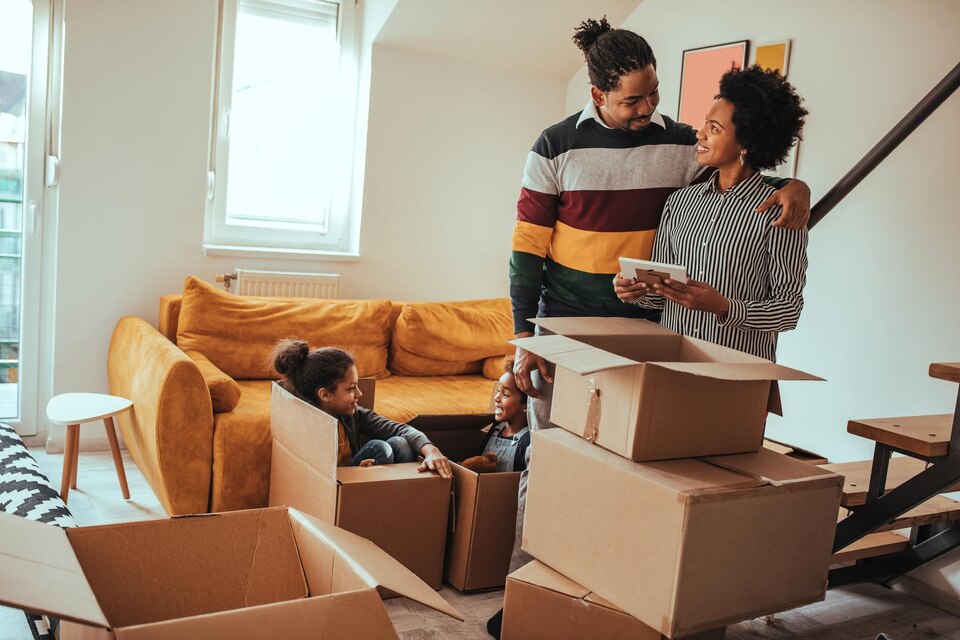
[594, 187]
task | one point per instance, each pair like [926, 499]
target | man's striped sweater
[591, 194]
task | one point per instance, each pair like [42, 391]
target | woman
[747, 276]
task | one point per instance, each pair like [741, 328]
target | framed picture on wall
[773, 55]
[700, 77]
[776, 55]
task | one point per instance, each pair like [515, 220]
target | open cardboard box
[484, 519]
[683, 545]
[648, 393]
[541, 603]
[402, 510]
[251, 574]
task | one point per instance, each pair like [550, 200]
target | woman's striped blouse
[724, 242]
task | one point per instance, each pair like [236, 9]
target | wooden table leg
[117, 460]
[68, 462]
[76, 457]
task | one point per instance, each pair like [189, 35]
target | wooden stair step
[856, 477]
[936, 509]
[923, 435]
[945, 371]
[871, 546]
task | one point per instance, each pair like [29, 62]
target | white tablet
[651, 272]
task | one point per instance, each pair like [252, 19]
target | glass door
[26, 33]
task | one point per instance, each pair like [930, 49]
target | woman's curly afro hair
[767, 114]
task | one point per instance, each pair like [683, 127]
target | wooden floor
[856, 613]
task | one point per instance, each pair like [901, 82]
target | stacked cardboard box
[656, 495]
[541, 603]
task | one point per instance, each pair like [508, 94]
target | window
[282, 159]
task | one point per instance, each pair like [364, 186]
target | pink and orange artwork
[700, 77]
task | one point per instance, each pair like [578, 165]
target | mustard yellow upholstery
[224, 390]
[403, 398]
[238, 333]
[199, 460]
[241, 451]
[494, 367]
[449, 338]
[169, 433]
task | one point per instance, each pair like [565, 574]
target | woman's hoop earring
[741, 158]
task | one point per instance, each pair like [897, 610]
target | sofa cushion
[494, 367]
[224, 390]
[450, 338]
[238, 333]
[241, 451]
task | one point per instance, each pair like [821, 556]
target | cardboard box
[243, 574]
[795, 452]
[683, 545]
[648, 393]
[484, 520]
[541, 603]
[401, 510]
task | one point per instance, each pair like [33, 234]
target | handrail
[882, 149]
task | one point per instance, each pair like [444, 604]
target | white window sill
[277, 253]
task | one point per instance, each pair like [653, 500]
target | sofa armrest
[169, 433]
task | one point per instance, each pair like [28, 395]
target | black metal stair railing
[944, 89]
[883, 506]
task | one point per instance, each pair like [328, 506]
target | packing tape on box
[592, 426]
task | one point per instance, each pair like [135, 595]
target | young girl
[327, 378]
[509, 438]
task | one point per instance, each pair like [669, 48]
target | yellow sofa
[200, 383]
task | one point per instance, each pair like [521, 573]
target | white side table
[72, 410]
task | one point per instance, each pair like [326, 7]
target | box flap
[369, 560]
[305, 430]
[39, 571]
[353, 614]
[385, 473]
[772, 467]
[572, 354]
[151, 570]
[540, 575]
[453, 422]
[685, 476]
[737, 371]
[602, 326]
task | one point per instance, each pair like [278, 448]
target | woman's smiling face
[717, 144]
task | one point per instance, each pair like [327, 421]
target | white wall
[882, 301]
[444, 158]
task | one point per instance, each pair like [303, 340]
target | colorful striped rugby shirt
[591, 194]
[724, 242]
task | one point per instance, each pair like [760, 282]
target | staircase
[900, 492]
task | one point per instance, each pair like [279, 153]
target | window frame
[283, 239]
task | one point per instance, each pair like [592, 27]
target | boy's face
[508, 402]
[629, 106]
[342, 401]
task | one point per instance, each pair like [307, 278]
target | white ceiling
[532, 36]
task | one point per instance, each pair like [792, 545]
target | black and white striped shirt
[722, 241]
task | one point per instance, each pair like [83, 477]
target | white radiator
[247, 282]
